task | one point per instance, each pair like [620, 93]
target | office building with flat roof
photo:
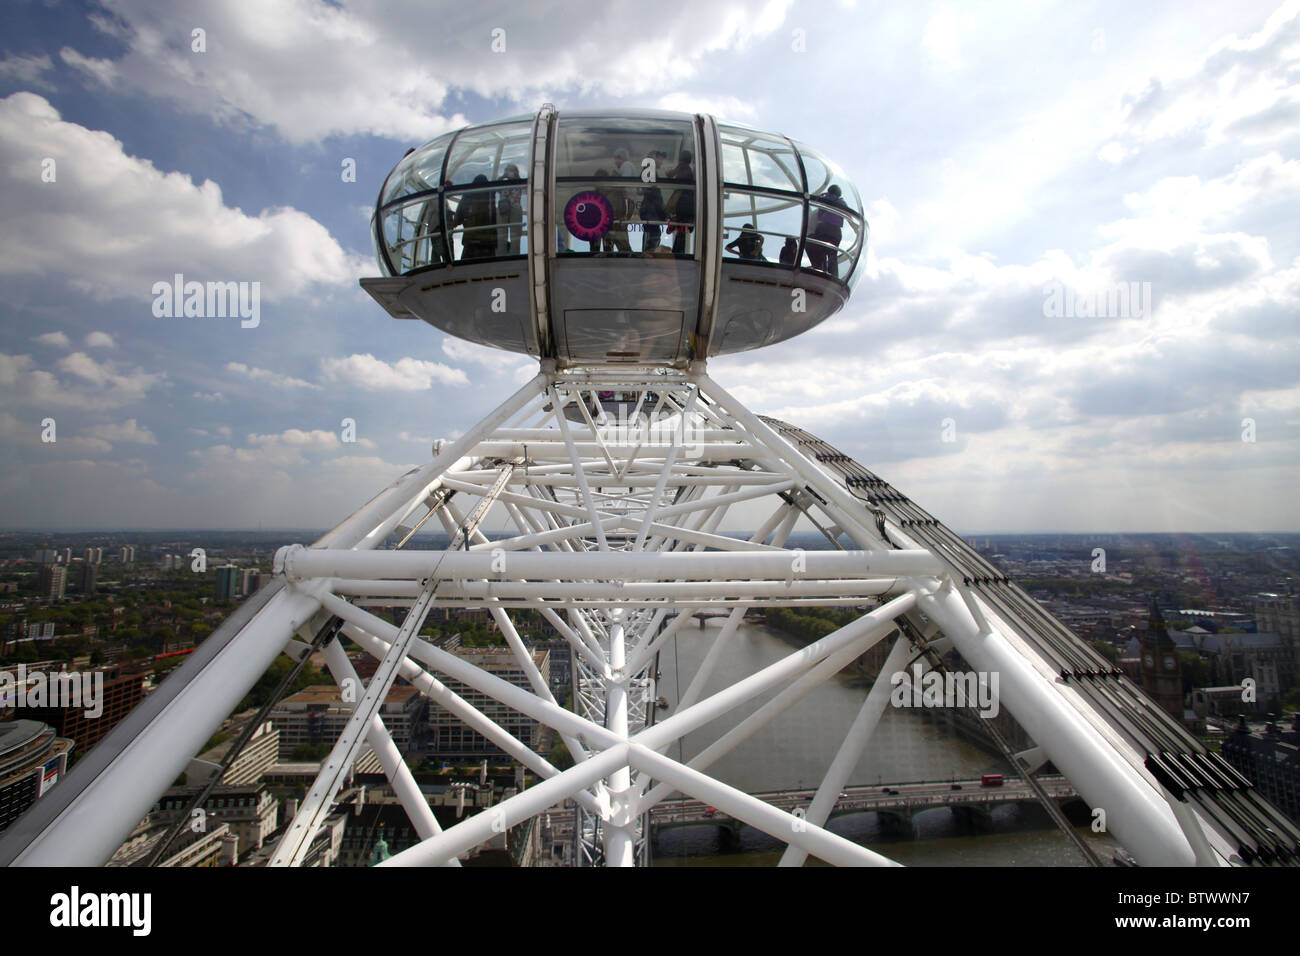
[317, 715]
[32, 759]
[452, 738]
[123, 688]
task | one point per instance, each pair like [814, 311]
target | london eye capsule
[642, 237]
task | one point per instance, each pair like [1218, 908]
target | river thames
[794, 750]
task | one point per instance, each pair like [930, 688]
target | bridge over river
[895, 801]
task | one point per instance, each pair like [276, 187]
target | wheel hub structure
[615, 485]
[612, 484]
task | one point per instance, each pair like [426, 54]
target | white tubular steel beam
[701, 678]
[619, 523]
[390, 758]
[784, 826]
[785, 453]
[787, 698]
[316, 805]
[661, 436]
[657, 494]
[529, 667]
[729, 498]
[298, 563]
[555, 452]
[715, 652]
[644, 653]
[855, 742]
[849, 590]
[620, 830]
[507, 693]
[439, 693]
[481, 827]
[160, 745]
[645, 479]
[684, 721]
[1135, 810]
[85, 833]
[571, 450]
[367, 527]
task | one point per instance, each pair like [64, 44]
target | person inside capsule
[510, 213]
[681, 205]
[616, 239]
[829, 230]
[475, 214]
[749, 244]
[652, 212]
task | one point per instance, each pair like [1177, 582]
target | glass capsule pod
[640, 237]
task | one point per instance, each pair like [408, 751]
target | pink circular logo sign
[588, 215]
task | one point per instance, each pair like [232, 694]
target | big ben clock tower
[1162, 672]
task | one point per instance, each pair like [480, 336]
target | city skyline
[1021, 174]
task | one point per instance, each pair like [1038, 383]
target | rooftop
[329, 694]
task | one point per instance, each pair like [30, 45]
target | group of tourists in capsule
[623, 186]
[640, 237]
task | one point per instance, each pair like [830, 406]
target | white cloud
[87, 383]
[460, 350]
[296, 437]
[404, 375]
[271, 378]
[128, 431]
[128, 225]
[723, 107]
[26, 69]
[101, 71]
[366, 465]
[13, 367]
[1241, 90]
[266, 453]
[85, 367]
[99, 340]
[264, 60]
[57, 339]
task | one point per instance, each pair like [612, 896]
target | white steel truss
[615, 485]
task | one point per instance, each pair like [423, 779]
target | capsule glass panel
[834, 240]
[624, 186]
[375, 244]
[823, 174]
[418, 172]
[753, 158]
[610, 217]
[497, 153]
[486, 223]
[413, 234]
[760, 227]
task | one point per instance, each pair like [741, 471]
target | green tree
[561, 759]
[267, 683]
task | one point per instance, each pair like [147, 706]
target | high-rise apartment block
[52, 581]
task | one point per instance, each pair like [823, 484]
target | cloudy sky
[1006, 152]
